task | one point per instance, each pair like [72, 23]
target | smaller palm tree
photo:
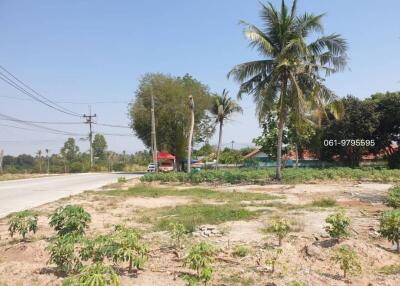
[223, 107]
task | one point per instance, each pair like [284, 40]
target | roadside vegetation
[266, 176]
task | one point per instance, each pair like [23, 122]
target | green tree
[291, 73]
[223, 107]
[171, 111]
[70, 151]
[359, 121]
[99, 146]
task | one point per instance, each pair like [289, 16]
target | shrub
[127, 247]
[177, 232]
[122, 180]
[347, 260]
[273, 257]
[338, 226]
[280, 228]
[200, 259]
[390, 227]
[63, 253]
[324, 203]
[393, 197]
[241, 251]
[23, 223]
[96, 249]
[94, 275]
[70, 219]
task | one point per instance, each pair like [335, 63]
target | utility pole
[153, 132]
[1, 160]
[89, 120]
[48, 160]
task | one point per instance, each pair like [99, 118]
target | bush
[393, 197]
[280, 228]
[122, 180]
[70, 219]
[97, 249]
[338, 226]
[390, 227]
[96, 274]
[347, 260]
[200, 259]
[23, 223]
[63, 253]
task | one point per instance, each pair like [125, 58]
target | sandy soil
[306, 251]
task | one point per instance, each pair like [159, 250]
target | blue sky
[96, 51]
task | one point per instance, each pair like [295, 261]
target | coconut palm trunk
[219, 142]
[281, 125]
[191, 107]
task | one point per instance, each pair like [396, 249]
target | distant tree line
[71, 160]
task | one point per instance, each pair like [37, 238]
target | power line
[50, 130]
[36, 96]
[111, 125]
[71, 102]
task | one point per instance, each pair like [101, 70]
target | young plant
[273, 257]
[63, 253]
[23, 223]
[347, 260]
[70, 219]
[96, 249]
[94, 275]
[390, 227]
[177, 232]
[127, 247]
[280, 228]
[338, 225]
[200, 259]
[393, 198]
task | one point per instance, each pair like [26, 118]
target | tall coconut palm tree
[291, 75]
[223, 107]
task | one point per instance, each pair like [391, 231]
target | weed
[390, 269]
[272, 258]
[177, 232]
[324, 203]
[241, 251]
[238, 279]
[280, 227]
[200, 259]
[122, 180]
[393, 197]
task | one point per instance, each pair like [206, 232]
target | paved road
[17, 195]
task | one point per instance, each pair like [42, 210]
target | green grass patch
[201, 193]
[266, 176]
[390, 269]
[192, 216]
[238, 279]
[323, 203]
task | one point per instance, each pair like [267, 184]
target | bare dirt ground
[306, 254]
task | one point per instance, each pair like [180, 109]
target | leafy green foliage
[97, 248]
[94, 275]
[338, 225]
[127, 247]
[279, 227]
[63, 253]
[393, 197]
[264, 176]
[70, 219]
[390, 226]
[99, 146]
[347, 260]
[172, 114]
[23, 222]
[273, 257]
[177, 232]
[200, 259]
